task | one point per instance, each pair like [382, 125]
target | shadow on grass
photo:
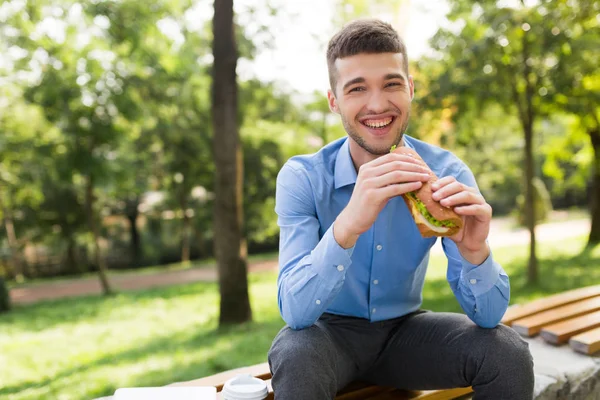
[246, 344]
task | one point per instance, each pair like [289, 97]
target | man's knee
[512, 349]
[298, 347]
[506, 353]
[303, 364]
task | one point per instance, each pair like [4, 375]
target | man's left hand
[475, 212]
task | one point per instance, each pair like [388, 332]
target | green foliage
[123, 100]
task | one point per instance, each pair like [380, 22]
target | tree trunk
[532, 268]
[71, 260]
[4, 296]
[134, 234]
[13, 245]
[594, 237]
[230, 245]
[527, 115]
[93, 226]
[185, 231]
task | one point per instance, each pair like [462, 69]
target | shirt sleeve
[483, 291]
[311, 268]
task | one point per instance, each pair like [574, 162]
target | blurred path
[122, 282]
[501, 235]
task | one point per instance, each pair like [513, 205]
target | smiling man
[352, 260]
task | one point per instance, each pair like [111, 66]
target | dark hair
[369, 36]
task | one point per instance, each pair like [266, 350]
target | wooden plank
[354, 391]
[446, 394]
[362, 390]
[518, 311]
[561, 332]
[396, 394]
[532, 325]
[261, 371]
[392, 394]
[587, 342]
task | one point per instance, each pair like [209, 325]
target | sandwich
[429, 215]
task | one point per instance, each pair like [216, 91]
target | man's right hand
[378, 181]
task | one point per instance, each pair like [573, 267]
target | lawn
[86, 348]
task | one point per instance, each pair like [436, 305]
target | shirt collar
[345, 172]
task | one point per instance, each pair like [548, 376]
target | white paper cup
[245, 387]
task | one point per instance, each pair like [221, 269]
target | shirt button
[374, 310]
[375, 282]
[318, 301]
[473, 281]
[340, 268]
[379, 247]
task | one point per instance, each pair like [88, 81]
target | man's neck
[360, 156]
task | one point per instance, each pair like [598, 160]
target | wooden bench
[572, 317]
[354, 391]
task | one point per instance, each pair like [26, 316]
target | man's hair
[370, 36]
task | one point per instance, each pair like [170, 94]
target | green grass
[86, 348]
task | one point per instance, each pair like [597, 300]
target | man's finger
[465, 197]
[399, 165]
[482, 210]
[389, 158]
[448, 190]
[398, 189]
[395, 177]
[440, 183]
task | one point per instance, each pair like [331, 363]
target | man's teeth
[378, 123]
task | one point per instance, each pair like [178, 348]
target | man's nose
[377, 103]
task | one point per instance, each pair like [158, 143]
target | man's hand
[476, 214]
[378, 181]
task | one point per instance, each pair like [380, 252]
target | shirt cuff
[333, 259]
[480, 278]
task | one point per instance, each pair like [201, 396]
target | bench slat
[561, 332]
[446, 394]
[261, 371]
[587, 342]
[531, 326]
[361, 390]
[561, 299]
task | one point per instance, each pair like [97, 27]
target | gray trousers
[420, 351]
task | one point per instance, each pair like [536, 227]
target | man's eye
[357, 89]
[393, 84]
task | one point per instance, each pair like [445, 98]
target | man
[352, 261]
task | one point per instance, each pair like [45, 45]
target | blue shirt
[382, 275]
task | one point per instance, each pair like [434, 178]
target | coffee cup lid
[245, 386]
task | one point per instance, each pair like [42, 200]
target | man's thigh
[441, 350]
[333, 352]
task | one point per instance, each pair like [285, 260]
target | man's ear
[411, 85]
[332, 102]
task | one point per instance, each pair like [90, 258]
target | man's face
[373, 95]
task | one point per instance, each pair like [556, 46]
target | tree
[576, 84]
[500, 56]
[230, 245]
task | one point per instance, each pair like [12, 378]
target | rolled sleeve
[480, 278]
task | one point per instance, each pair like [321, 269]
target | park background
[140, 144]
